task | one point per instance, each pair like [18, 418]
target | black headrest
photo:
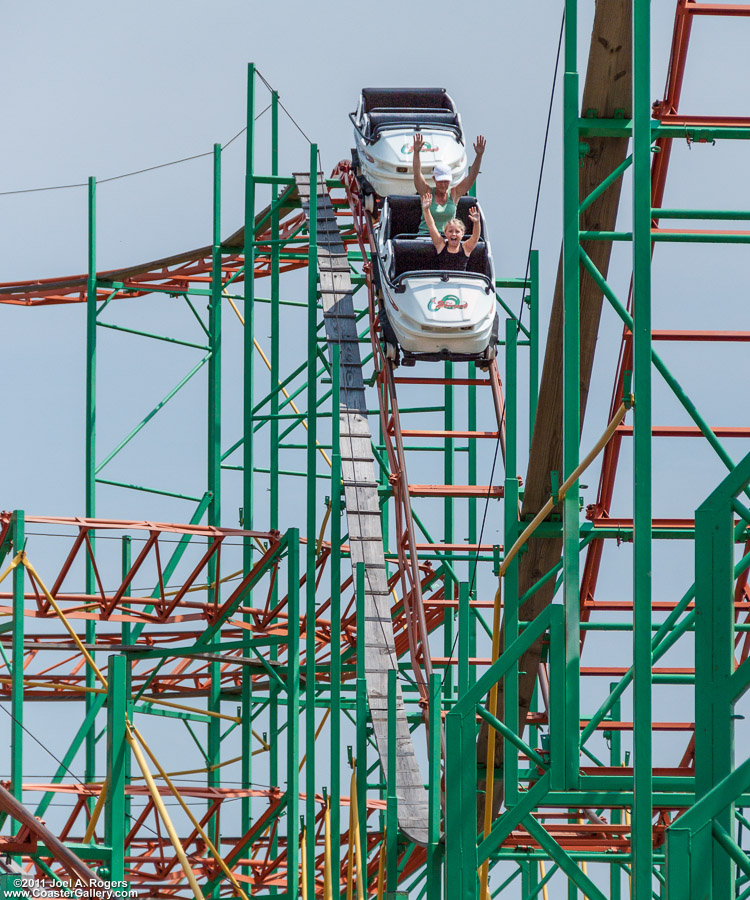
[406, 214]
[465, 204]
[400, 202]
[478, 261]
[462, 212]
[405, 98]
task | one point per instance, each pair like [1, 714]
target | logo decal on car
[449, 301]
[426, 148]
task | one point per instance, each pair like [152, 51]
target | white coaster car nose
[385, 122]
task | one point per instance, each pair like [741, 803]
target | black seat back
[479, 261]
[462, 212]
[406, 214]
[378, 120]
[413, 255]
[405, 98]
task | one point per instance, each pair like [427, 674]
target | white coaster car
[384, 126]
[427, 313]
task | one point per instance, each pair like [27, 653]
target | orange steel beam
[619, 671]
[488, 548]
[401, 379]
[671, 118]
[658, 605]
[427, 433]
[628, 726]
[628, 770]
[493, 491]
[624, 522]
[714, 9]
[711, 231]
[677, 335]
[684, 431]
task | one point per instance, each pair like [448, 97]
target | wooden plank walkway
[363, 510]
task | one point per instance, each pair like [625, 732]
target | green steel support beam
[732, 848]
[563, 860]
[509, 880]
[391, 812]
[672, 237]
[449, 621]
[362, 708]
[63, 770]
[473, 470]
[510, 581]
[213, 776]
[90, 458]
[311, 500]
[109, 299]
[514, 739]
[273, 433]
[335, 582]
[147, 334]
[126, 560]
[464, 622]
[614, 176]
[462, 859]
[711, 867]
[642, 839]
[624, 128]
[18, 531]
[533, 339]
[434, 848]
[147, 418]
[461, 809]
[118, 752]
[704, 214]
[511, 314]
[148, 490]
[503, 826]
[270, 559]
[293, 713]
[214, 362]
[248, 461]
[615, 760]
[689, 849]
[571, 389]
[194, 311]
[536, 885]
[275, 325]
[246, 841]
[249, 316]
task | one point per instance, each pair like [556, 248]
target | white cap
[441, 172]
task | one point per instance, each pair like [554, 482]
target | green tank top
[441, 214]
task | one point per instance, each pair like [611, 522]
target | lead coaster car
[424, 312]
[384, 124]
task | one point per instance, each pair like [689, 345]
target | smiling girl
[452, 255]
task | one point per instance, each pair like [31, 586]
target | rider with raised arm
[452, 255]
[443, 205]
